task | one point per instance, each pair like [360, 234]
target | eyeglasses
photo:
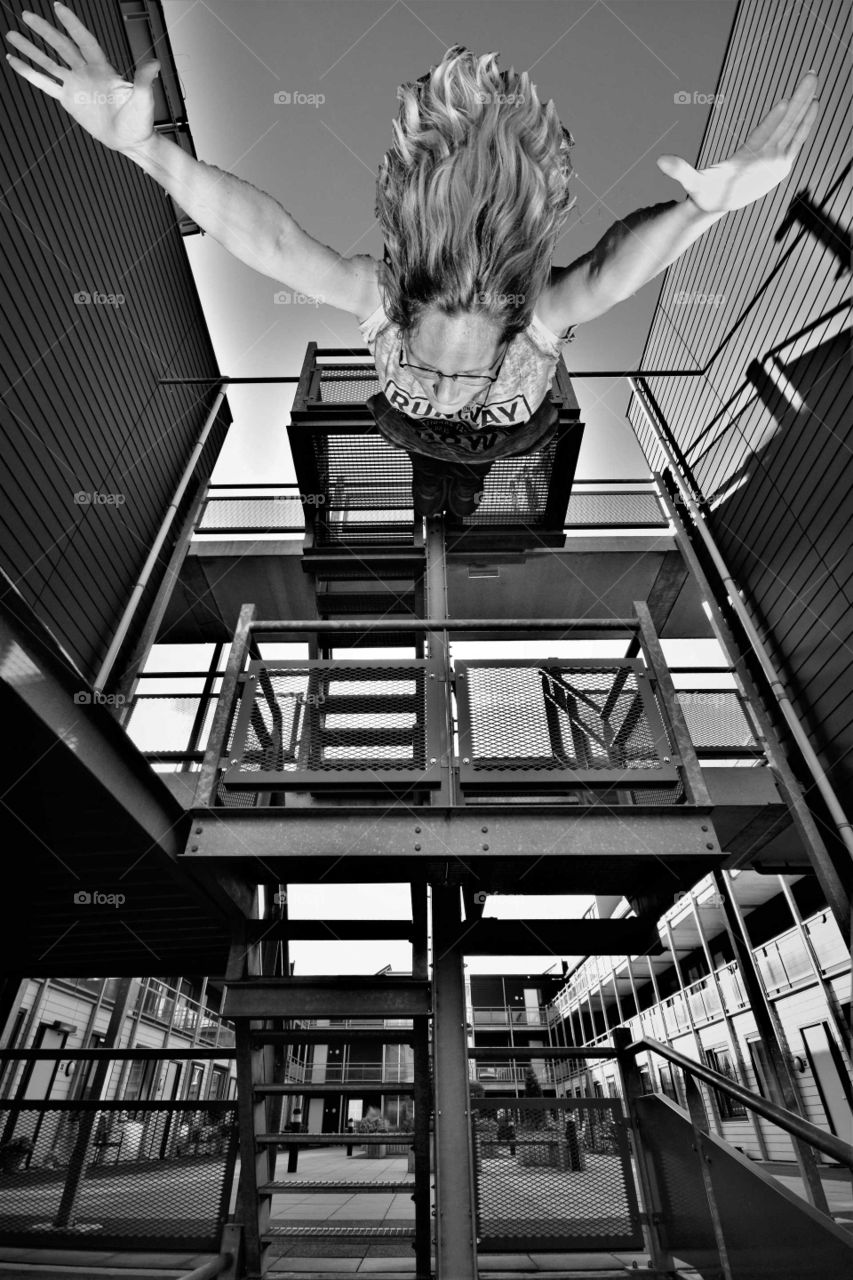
[467, 380]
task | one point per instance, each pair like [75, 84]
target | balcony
[504, 1017]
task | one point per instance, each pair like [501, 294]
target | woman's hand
[114, 112]
[764, 160]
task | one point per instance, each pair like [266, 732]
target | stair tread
[275, 1232]
[336, 1139]
[335, 1184]
[336, 1086]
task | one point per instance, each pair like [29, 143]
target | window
[646, 1079]
[760, 1065]
[667, 1082]
[218, 1086]
[720, 1060]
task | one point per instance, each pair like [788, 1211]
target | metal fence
[553, 1174]
[303, 724]
[594, 722]
[116, 1173]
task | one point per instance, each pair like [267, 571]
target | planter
[376, 1151]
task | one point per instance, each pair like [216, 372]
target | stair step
[331, 1184]
[327, 1035]
[336, 1087]
[288, 1231]
[334, 1139]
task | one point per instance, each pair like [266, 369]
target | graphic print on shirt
[505, 413]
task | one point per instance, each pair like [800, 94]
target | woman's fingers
[64, 47]
[799, 108]
[35, 55]
[802, 132]
[82, 36]
[50, 87]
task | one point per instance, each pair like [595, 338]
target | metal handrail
[787, 1120]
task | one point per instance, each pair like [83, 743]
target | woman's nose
[445, 391]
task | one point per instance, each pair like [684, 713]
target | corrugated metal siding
[774, 455]
[81, 409]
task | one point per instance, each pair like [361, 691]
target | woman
[465, 318]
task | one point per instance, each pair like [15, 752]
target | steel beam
[338, 997]
[491, 937]
[423, 833]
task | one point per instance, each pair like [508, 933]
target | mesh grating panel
[552, 1174]
[346, 385]
[325, 717]
[158, 1173]
[556, 717]
[252, 512]
[614, 508]
[516, 490]
[715, 718]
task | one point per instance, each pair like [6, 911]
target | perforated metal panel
[155, 1174]
[310, 724]
[344, 384]
[614, 508]
[564, 722]
[260, 512]
[553, 1173]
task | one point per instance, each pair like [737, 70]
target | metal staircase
[277, 1018]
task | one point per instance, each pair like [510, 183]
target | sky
[612, 68]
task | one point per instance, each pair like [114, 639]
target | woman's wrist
[143, 153]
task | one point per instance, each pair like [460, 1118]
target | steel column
[455, 1232]
[780, 1082]
[697, 1043]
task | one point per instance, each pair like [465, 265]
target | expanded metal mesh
[715, 718]
[152, 1174]
[614, 507]
[326, 717]
[516, 490]
[556, 717]
[553, 1174]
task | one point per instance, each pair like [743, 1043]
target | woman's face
[465, 343]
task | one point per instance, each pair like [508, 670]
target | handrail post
[218, 741]
[699, 1121]
[654, 1222]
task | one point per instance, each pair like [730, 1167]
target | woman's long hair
[473, 194]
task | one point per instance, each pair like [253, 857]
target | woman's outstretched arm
[644, 243]
[248, 223]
